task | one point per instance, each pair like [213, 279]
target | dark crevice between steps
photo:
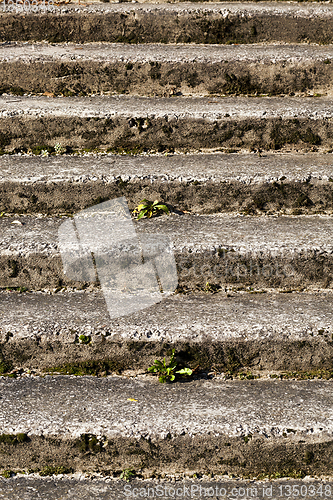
[166, 79]
[165, 134]
[199, 197]
[299, 359]
[249, 456]
[165, 27]
[220, 268]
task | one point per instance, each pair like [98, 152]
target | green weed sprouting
[148, 208]
[167, 372]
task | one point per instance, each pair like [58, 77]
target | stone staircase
[223, 112]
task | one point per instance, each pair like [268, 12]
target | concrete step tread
[177, 107]
[304, 9]
[94, 486]
[245, 168]
[114, 52]
[70, 406]
[283, 235]
[241, 316]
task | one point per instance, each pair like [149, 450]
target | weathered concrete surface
[231, 332]
[174, 23]
[163, 70]
[119, 123]
[269, 252]
[96, 488]
[198, 183]
[177, 427]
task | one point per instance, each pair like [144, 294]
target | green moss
[84, 339]
[5, 367]
[13, 439]
[11, 90]
[7, 474]
[55, 470]
[247, 438]
[292, 473]
[247, 376]
[305, 375]
[36, 150]
[135, 150]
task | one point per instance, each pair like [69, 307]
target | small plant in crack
[84, 339]
[148, 209]
[58, 148]
[166, 371]
[127, 474]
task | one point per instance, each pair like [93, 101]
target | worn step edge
[163, 70]
[174, 23]
[225, 333]
[270, 426]
[128, 122]
[220, 249]
[198, 183]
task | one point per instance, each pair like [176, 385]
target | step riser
[232, 269]
[201, 198]
[166, 79]
[289, 271]
[182, 454]
[166, 27]
[160, 134]
[59, 353]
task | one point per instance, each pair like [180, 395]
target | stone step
[106, 425]
[165, 70]
[173, 23]
[224, 333]
[159, 124]
[269, 252]
[271, 183]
